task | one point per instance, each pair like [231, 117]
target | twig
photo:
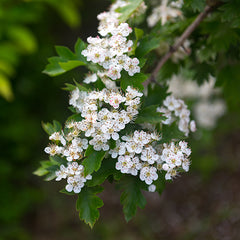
[179, 42]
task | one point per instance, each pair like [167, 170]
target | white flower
[148, 174]
[62, 173]
[136, 165]
[74, 184]
[149, 155]
[53, 150]
[115, 99]
[123, 164]
[90, 78]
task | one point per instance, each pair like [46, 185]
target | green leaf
[107, 169]
[51, 128]
[229, 79]
[5, 88]
[167, 70]
[170, 132]
[80, 45]
[58, 160]
[75, 117]
[80, 87]
[132, 196]
[68, 10]
[160, 183]
[150, 115]
[202, 71]
[147, 44]
[134, 81]
[47, 168]
[93, 160]
[66, 66]
[88, 204]
[128, 10]
[67, 60]
[23, 38]
[196, 5]
[138, 33]
[156, 95]
[69, 87]
[41, 172]
[66, 192]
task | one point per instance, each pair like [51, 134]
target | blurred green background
[203, 204]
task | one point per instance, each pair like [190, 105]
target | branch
[179, 42]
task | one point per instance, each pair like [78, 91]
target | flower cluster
[165, 12]
[140, 154]
[102, 116]
[136, 154]
[174, 157]
[74, 173]
[102, 120]
[176, 108]
[111, 51]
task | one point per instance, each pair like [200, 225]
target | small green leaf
[134, 81]
[71, 64]
[80, 87]
[93, 160]
[67, 60]
[66, 192]
[79, 47]
[40, 172]
[150, 115]
[132, 196]
[69, 87]
[138, 33]
[58, 160]
[51, 128]
[88, 204]
[128, 10]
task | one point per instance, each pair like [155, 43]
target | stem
[179, 42]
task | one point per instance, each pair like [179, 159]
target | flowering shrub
[125, 128]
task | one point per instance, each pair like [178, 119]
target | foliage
[17, 38]
[211, 52]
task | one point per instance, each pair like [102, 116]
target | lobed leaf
[132, 196]
[67, 60]
[88, 204]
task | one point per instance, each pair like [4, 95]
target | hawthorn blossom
[176, 109]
